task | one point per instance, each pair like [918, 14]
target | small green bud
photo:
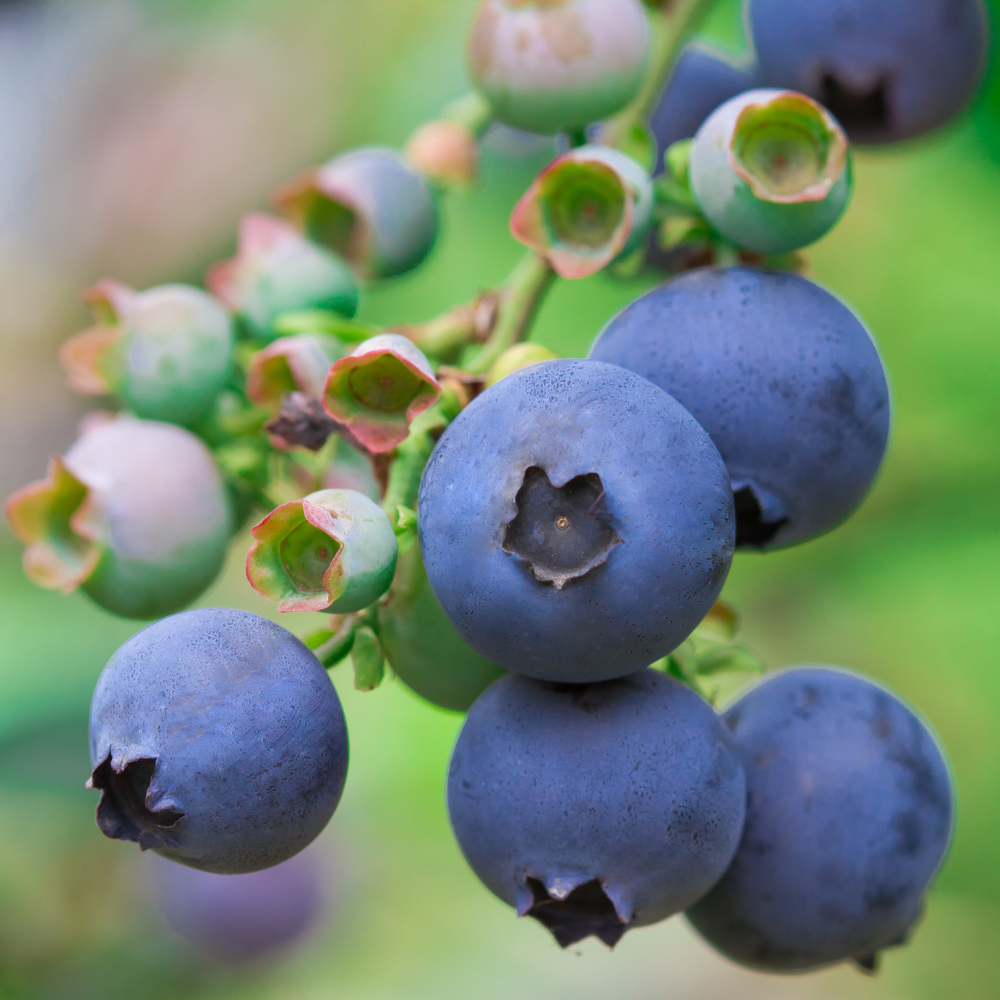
[515, 358]
[587, 208]
[368, 659]
[277, 270]
[369, 205]
[445, 152]
[165, 351]
[556, 65]
[333, 551]
[379, 388]
[771, 171]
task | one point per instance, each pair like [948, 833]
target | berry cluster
[538, 541]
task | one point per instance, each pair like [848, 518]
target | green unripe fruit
[771, 170]
[277, 270]
[422, 646]
[587, 208]
[556, 65]
[371, 206]
[333, 551]
[135, 515]
[379, 388]
[165, 351]
[515, 358]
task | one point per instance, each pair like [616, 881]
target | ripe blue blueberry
[217, 740]
[576, 522]
[889, 70]
[240, 918]
[701, 80]
[596, 808]
[850, 811]
[785, 379]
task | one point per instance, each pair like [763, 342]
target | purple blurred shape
[240, 918]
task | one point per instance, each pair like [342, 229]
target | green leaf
[721, 623]
[368, 659]
[730, 659]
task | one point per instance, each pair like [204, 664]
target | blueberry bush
[538, 541]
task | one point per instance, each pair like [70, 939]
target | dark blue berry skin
[240, 918]
[887, 70]
[596, 808]
[647, 539]
[218, 741]
[850, 812]
[785, 379]
[701, 80]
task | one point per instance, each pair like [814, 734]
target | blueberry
[136, 515]
[785, 379]
[334, 551]
[770, 170]
[888, 70]
[369, 205]
[576, 522]
[850, 812]
[240, 918]
[164, 351]
[549, 67]
[298, 363]
[596, 808]
[701, 80]
[587, 208]
[276, 271]
[422, 646]
[377, 390]
[218, 741]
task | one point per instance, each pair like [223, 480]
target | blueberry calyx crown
[584, 911]
[557, 530]
[123, 812]
[754, 529]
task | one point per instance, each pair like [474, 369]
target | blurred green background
[157, 124]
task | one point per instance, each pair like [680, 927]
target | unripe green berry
[165, 351]
[587, 208]
[277, 270]
[379, 388]
[556, 65]
[135, 514]
[369, 205]
[333, 551]
[771, 170]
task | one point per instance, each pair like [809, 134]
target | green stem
[444, 335]
[670, 31]
[411, 456]
[521, 297]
